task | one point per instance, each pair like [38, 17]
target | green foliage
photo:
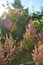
[22, 58]
[38, 26]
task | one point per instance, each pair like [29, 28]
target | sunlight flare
[1, 10]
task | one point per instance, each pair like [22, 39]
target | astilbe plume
[38, 53]
[2, 59]
[10, 47]
[30, 30]
[7, 50]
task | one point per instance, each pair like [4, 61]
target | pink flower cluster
[31, 32]
[9, 50]
[38, 54]
[2, 60]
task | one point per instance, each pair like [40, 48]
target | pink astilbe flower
[40, 49]
[2, 61]
[35, 55]
[30, 30]
[38, 54]
[9, 48]
[9, 44]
